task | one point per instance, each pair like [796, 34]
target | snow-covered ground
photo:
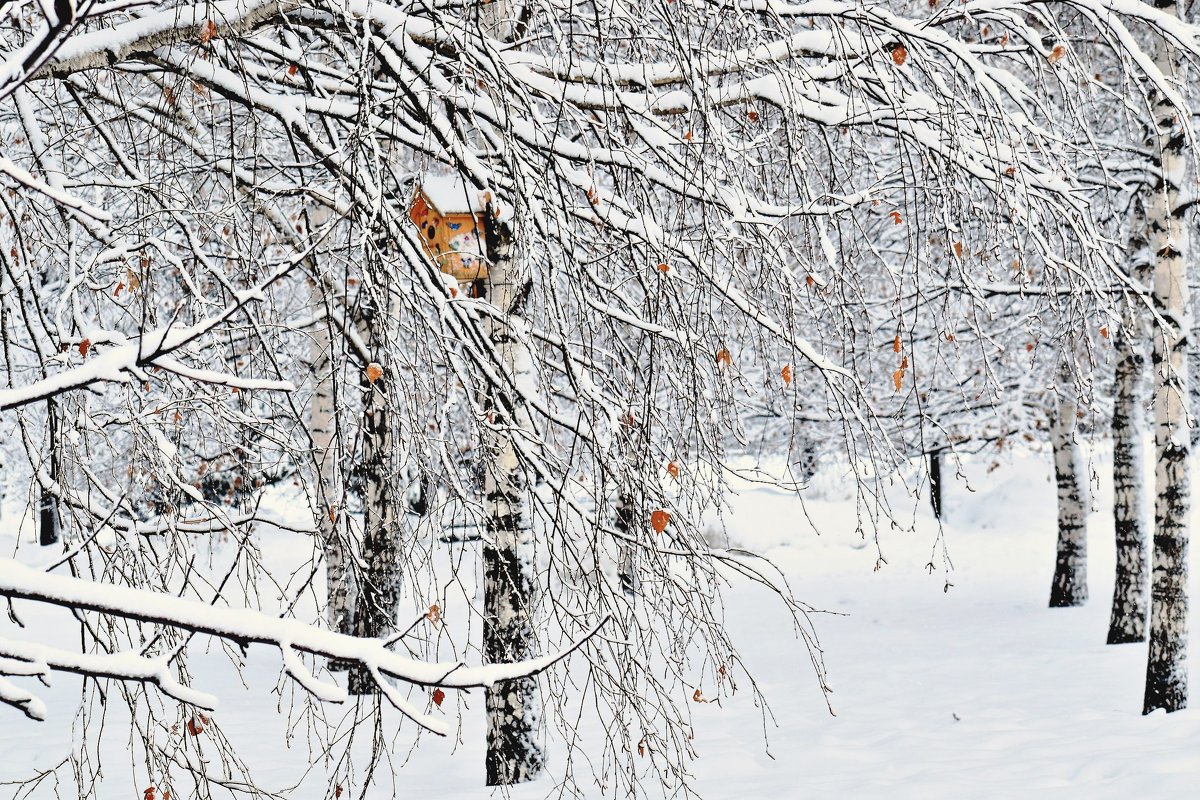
[975, 691]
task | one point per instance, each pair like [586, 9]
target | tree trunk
[1166, 663]
[48, 511]
[935, 482]
[1070, 573]
[627, 513]
[1129, 606]
[1128, 620]
[323, 431]
[514, 754]
[379, 583]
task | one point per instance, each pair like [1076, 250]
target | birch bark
[1069, 587]
[1130, 597]
[322, 429]
[1166, 662]
[379, 582]
[514, 754]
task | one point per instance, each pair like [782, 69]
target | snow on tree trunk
[379, 581]
[322, 429]
[48, 517]
[514, 754]
[1166, 663]
[1128, 620]
[1070, 572]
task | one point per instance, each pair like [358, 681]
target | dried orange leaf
[664, 268]
[207, 31]
[723, 357]
[899, 54]
[786, 372]
[438, 697]
[659, 520]
[896, 218]
[434, 614]
[1057, 53]
[898, 378]
[374, 372]
[958, 249]
[1104, 331]
[673, 470]
[84, 346]
[896, 344]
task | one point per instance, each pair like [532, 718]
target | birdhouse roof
[449, 194]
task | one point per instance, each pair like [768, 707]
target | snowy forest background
[687, 398]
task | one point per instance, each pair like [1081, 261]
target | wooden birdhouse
[451, 217]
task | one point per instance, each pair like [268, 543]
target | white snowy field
[980, 691]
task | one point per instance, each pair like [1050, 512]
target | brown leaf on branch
[207, 31]
[373, 372]
[899, 55]
[659, 520]
[84, 346]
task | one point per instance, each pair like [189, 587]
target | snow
[450, 195]
[973, 690]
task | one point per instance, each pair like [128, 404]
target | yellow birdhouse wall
[455, 242]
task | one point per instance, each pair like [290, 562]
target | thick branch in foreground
[245, 627]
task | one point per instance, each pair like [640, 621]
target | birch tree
[1166, 666]
[1069, 586]
[714, 182]
[1130, 599]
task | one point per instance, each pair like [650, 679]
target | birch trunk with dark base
[379, 580]
[514, 754]
[48, 508]
[935, 483]
[1130, 598]
[1166, 661]
[1069, 587]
